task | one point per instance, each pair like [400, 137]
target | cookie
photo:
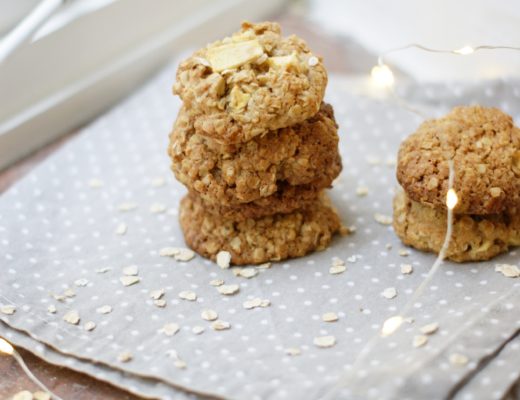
[255, 241]
[250, 83]
[475, 237]
[285, 200]
[485, 147]
[303, 154]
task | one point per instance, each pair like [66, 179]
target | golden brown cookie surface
[254, 81]
[304, 154]
[485, 147]
[255, 241]
[474, 238]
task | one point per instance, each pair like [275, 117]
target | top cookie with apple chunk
[250, 83]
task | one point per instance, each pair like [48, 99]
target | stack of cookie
[484, 145]
[255, 146]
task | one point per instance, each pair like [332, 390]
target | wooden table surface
[341, 56]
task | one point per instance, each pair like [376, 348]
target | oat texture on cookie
[251, 82]
[256, 147]
[484, 145]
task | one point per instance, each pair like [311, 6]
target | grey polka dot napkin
[92, 271]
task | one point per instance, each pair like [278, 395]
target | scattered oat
[157, 208]
[419, 340]
[39, 395]
[127, 206]
[157, 294]
[169, 329]
[219, 325]
[383, 219]
[169, 251]
[223, 259]
[23, 395]
[184, 255]
[256, 302]
[197, 329]
[8, 310]
[329, 317]
[430, 329]
[81, 282]
[121, 229]
[325, 341]
[228, 290]
[103, 270]
[404, 252]
[129, 280]
[157, 182]
[245, 272]
[181, 364]
[508, 270]
[313, 61]
[188, 295]
[106, 309]
[209, 315]
[406, 269]
[131, 270]
[52, 309]
[362, 191]
[160, 303]
[353, 258]
[293, 351]
[72, 317]
[125, 356]
[266, 265]
[95, 183]
[58, 297]
[69, 293]
[216, 282]
[458, 359]
[337, 262]
[388, 246]
[89, 326]
[389, 293]
[337, 269]
[345, 230]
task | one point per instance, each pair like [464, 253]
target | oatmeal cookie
[485, 147]
[250, 83]
[285, 200]
[475, 237]
[303, 154]
[255, 241]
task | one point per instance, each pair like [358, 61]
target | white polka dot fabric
[108, 201]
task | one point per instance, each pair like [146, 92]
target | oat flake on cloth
[108, 201]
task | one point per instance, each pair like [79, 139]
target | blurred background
[89, 54]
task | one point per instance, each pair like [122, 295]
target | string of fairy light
[382, 77]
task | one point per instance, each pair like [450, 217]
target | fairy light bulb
[5, 347]
[382, 76]
[465, 50]
[451, 199]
